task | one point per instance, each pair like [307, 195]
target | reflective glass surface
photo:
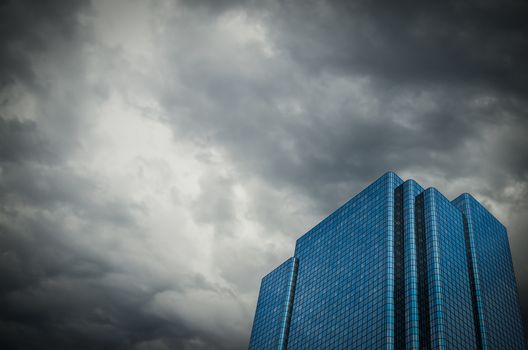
[448, 284]
[344, 294]
[495, 292]
[407, 286]
[273, 313]
[396, 267]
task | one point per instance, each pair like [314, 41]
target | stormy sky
[157, 158]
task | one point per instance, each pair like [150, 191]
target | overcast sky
[157, 158]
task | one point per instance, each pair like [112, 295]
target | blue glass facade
[407, 285]
[273, 315]
[396, 267]
[495, 296]
[449, 292]
[344, 294]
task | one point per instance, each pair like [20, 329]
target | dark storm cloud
[29, 27]
[291, 108]
[20, 140]
[471, 42]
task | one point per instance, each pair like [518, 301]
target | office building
[396, 267]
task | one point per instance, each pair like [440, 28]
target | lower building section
[406, 294]
[495, 299]
[396, 267]
[345, 289]
[273, 315]
[448, 284]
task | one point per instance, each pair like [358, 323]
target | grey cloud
[473, 42]
[21, 140]
[59, 290]
[27, 27]
[57, 293]
[213, 205]
[290, 107]
[455, 77]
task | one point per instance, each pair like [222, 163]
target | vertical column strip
[433, 271]
[478, 314]
[391, 186]
[399, 270]
[412, 318]
[424, 333]
[286, 321]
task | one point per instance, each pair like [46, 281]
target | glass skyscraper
[396, 267]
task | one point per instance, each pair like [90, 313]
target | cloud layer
[158, 158]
